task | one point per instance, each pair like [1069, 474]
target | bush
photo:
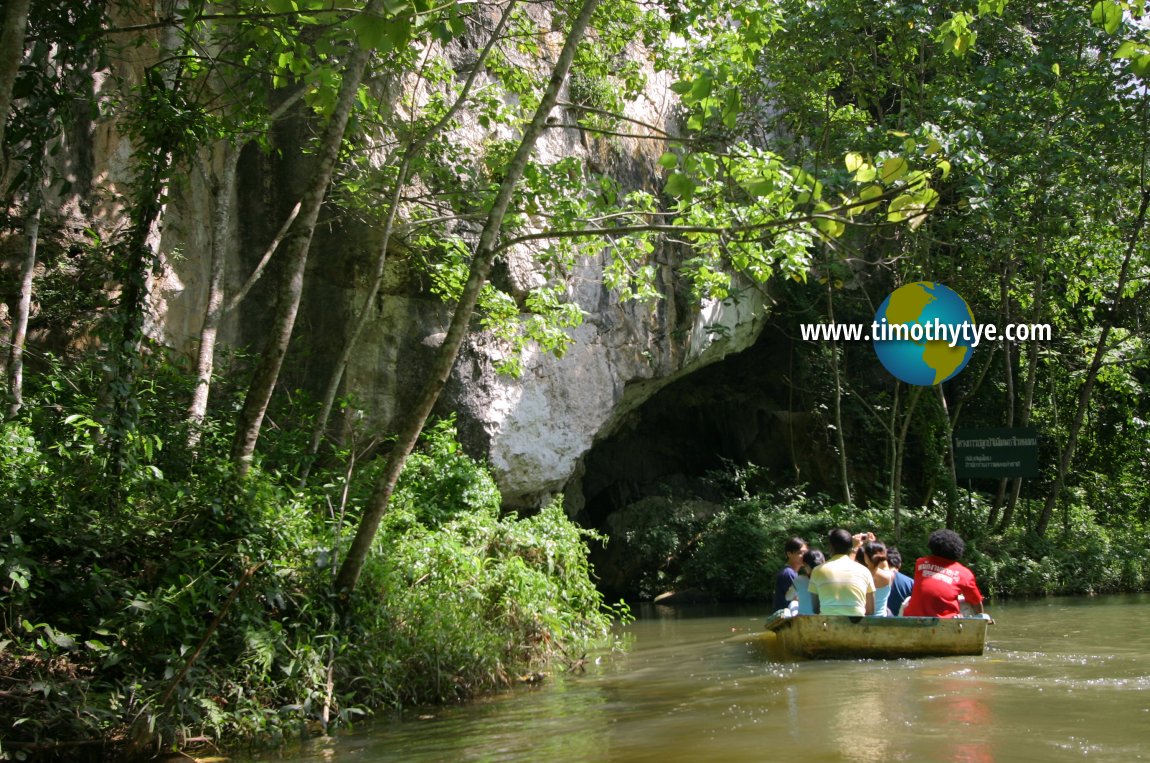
[443, 613]
[737, 552]
[740, 550]
[153, 595]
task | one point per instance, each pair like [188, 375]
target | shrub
[166, 599]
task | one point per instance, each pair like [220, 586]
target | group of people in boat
[864, 577]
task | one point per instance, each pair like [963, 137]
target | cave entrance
[741, 410]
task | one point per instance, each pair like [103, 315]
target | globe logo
[923, 333]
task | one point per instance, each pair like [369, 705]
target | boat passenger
[901, 586]
[794, 549]
[940, 580]
[841, 586]
[874, 555]
[801, 589]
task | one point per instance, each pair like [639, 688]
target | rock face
[539, 427]
[535, 430]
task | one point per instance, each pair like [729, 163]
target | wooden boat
[836, 636]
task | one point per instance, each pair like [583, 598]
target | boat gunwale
[926, 636]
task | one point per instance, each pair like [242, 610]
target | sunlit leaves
[1108, 15]
[870, 194]
[1138, 54]
[956, 34]
[680, 186]
[892, 169]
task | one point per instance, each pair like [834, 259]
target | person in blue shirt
[901, 586]
[802, 587]
[794, 549]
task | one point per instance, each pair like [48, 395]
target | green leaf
[1056, 69]
[866, 173]
[895, 212]
[1141, 66]
[1108, 15]
[964, 42]
[702, 88]
[893, 169]
[372, 33]
[832, 228]
[853, 161]
[869, 193]
[732, 106]
[759, 186]
[944, 165]
[668, 160]
[679, 185]
[1128, 49]
[682, 87]
[932, 147]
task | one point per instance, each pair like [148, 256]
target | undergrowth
[734, 552]
[158, 602]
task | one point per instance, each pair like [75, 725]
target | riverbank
[1061, 676]
[190, 609]
[165, 603]
[733, 551]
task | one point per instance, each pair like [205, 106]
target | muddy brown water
[1064, 679]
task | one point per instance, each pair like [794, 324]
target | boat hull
[836, 636]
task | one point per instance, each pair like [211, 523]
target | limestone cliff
[535, 430]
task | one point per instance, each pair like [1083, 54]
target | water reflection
[962, 707]
[1062, 680]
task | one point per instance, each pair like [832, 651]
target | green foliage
[735, 552]
[648, 542]
[196, 603]
[441, 614]
[441, 481]
[740, 549]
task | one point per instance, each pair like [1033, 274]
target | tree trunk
[1008, 372]
[215, 307]
[456, 332]
[15, 365]
[1027, 392]
[137, 264]
[365, 312]
[295, 254]
[11, 52]
[899, 452]
[1087, 390]
[214, 311]
[952, 481]
[840, 438]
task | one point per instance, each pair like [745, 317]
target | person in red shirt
[939, 580]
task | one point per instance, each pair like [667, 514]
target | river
[1064, 679]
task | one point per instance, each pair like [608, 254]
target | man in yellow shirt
[842, 586]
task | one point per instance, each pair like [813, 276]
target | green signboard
[996, 453]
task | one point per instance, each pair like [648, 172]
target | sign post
[996, 453]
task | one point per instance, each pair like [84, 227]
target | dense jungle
[378, 354]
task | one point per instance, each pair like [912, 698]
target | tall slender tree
[481, 263]
[294, 256]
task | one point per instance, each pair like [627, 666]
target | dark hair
[813, 558]
[875, 551]
[839, 540]
[794, 544]
[893, 557]
[947, 544]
